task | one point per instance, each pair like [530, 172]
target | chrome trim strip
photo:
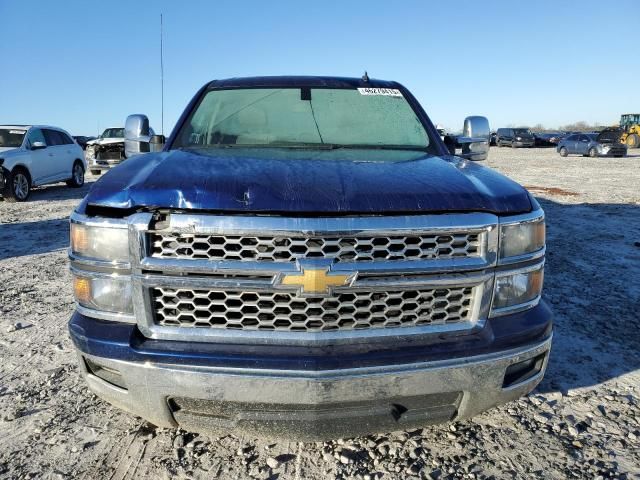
[319, 226]
[173, 265]
[521, 307]
[99, 221]
[103, 315]
[526, 257]
[532, 216]
[513, 355]
[81, 272]
[93, 264]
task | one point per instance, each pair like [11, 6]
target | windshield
[113, 133]
[521, 131]
[11, 137]
[303, 117]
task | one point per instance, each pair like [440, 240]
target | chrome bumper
[314, 405]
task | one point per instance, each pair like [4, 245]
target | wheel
[593, 152]
[77, 176]
[17, 186]
[513, 144]
[95, 172]
[633, 140]
[564, 152]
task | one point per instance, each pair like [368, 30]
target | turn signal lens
[82, 289]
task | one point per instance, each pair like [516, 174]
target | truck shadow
[60, 191]
[32, 238]
[592, 283]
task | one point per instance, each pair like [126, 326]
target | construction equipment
[630, 122]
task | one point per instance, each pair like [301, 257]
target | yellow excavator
[630, 124]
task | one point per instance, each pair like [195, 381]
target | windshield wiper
[363, 146]
[315, 146]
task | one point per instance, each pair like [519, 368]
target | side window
[573, 138]
[66, 140]
[584, 138]
[54, 137]
[35, 135]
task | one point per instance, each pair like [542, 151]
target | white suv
[33, 155]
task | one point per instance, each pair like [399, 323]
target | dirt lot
[583, 421]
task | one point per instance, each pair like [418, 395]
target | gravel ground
[583, 421]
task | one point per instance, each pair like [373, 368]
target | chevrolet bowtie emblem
[316, 281]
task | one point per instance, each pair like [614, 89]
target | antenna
[161, 82]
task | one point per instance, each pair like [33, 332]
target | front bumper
[524, 143]
[290, 394]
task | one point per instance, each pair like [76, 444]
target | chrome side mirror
[38, 145]
[156, 143]
[136, 135]
[476, 135]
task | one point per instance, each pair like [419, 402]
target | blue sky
[85, 66]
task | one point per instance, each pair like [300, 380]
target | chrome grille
[291, 248]
[284, 311]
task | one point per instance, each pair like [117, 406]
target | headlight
[517, 289]
[518, 138]
[521, 238]
[103, 293]
[107, 244]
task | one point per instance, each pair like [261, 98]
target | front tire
[77, 176]
[633, 140]
[18, 186]
[593, 152]
[564, 152]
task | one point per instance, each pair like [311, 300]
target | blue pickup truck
[305, 259]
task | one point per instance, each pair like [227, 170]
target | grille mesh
[244, 310]
[339, 249]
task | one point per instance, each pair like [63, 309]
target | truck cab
[305, 259]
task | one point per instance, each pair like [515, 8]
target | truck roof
[302, 81]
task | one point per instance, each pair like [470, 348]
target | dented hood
[105, 141]
[292, 181]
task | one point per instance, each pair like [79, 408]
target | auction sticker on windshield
[387, 92]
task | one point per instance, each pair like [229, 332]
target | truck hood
[290, 181]
[105, 141]
[7, 149]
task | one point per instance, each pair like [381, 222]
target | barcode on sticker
[388, 92]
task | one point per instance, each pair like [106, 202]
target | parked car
[109, 150]
[544, 139]
[555, 139]
[105, 151]
[515, 137]
[82, 140]
[296, 278]
[592, 145]
[34, 155]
